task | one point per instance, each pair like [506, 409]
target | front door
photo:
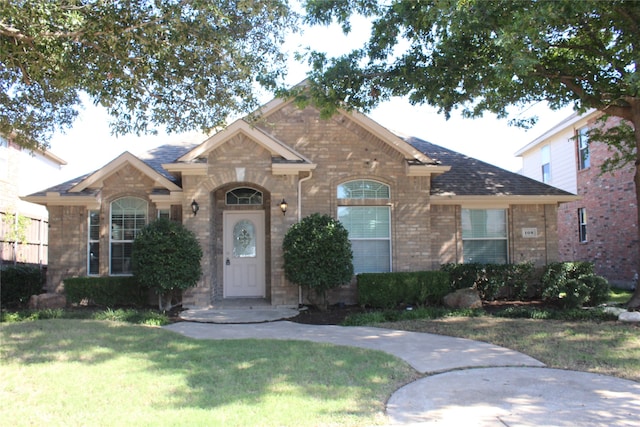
[244, 261]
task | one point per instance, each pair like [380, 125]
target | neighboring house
[23, 226]
[408, 205]
[601, 227]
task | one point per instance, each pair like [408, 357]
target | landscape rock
[617, 311]
[42, 301]
[463, 298]
[629, 316]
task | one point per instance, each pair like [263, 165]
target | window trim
[136, 230]
[484, 239]
[250, 199]
[91, 241]
[371, 239]
[381, 199]
[582, 225]
[582, 146]
[545, 161]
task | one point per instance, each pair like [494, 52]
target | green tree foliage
[317, 254]
[166, 257]
[487, 55]
[180, 64]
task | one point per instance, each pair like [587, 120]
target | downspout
[300, 181]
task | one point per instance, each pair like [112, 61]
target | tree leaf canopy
[177, 64]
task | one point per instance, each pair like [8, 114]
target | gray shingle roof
[467, 177]
[168, 153]
[154, 158]
[472, 177]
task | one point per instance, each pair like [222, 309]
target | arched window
[128, 217]
[369, 226]
[244, 196]
[363, 189]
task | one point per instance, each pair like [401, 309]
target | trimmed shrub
[166, 257]
[390, 290]
[573, 285]
[509, 281]
[105, 291]
[19, 282]
[317, 255]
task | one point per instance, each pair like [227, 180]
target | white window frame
[256, 198]
[584, 155]
[372, 198]
[164, 213]
[545, 157]
[136, 229]
[91, 241]
[492, 238]
[582, 225]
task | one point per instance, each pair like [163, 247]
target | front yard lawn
[100, 373]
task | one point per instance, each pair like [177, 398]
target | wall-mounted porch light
[284, 206]
[195, 207]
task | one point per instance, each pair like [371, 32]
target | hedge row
[105, 291]
[19, 282]
[389, 290]
[493, 281]
[565, 284]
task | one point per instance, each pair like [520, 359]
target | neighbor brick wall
[612, 229]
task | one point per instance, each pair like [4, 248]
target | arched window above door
[243, 196]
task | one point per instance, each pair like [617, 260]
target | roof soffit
[575, 119]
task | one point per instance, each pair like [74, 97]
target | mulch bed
[337, 313]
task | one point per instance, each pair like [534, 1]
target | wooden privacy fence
[23, 239]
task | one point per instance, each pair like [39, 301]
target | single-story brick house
[408, 205]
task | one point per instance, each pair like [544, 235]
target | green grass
[610, 348]
[619, 296]
[140, 317]
[588, 340]
[85, 372]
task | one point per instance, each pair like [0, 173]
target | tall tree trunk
[634, 303]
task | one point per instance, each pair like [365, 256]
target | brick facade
[612, 229]
[334, 151]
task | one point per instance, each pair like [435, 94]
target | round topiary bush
[317, 255]
[166, 257]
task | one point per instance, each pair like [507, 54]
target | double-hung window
[582, 225]
[584, 159]
[484, 236]
[545, 154]
[367, 218]
[93, 255]
[128, 218]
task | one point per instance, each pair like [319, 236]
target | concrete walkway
[468, 383]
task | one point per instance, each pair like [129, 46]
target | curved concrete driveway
[504, 388]
[427, 353]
